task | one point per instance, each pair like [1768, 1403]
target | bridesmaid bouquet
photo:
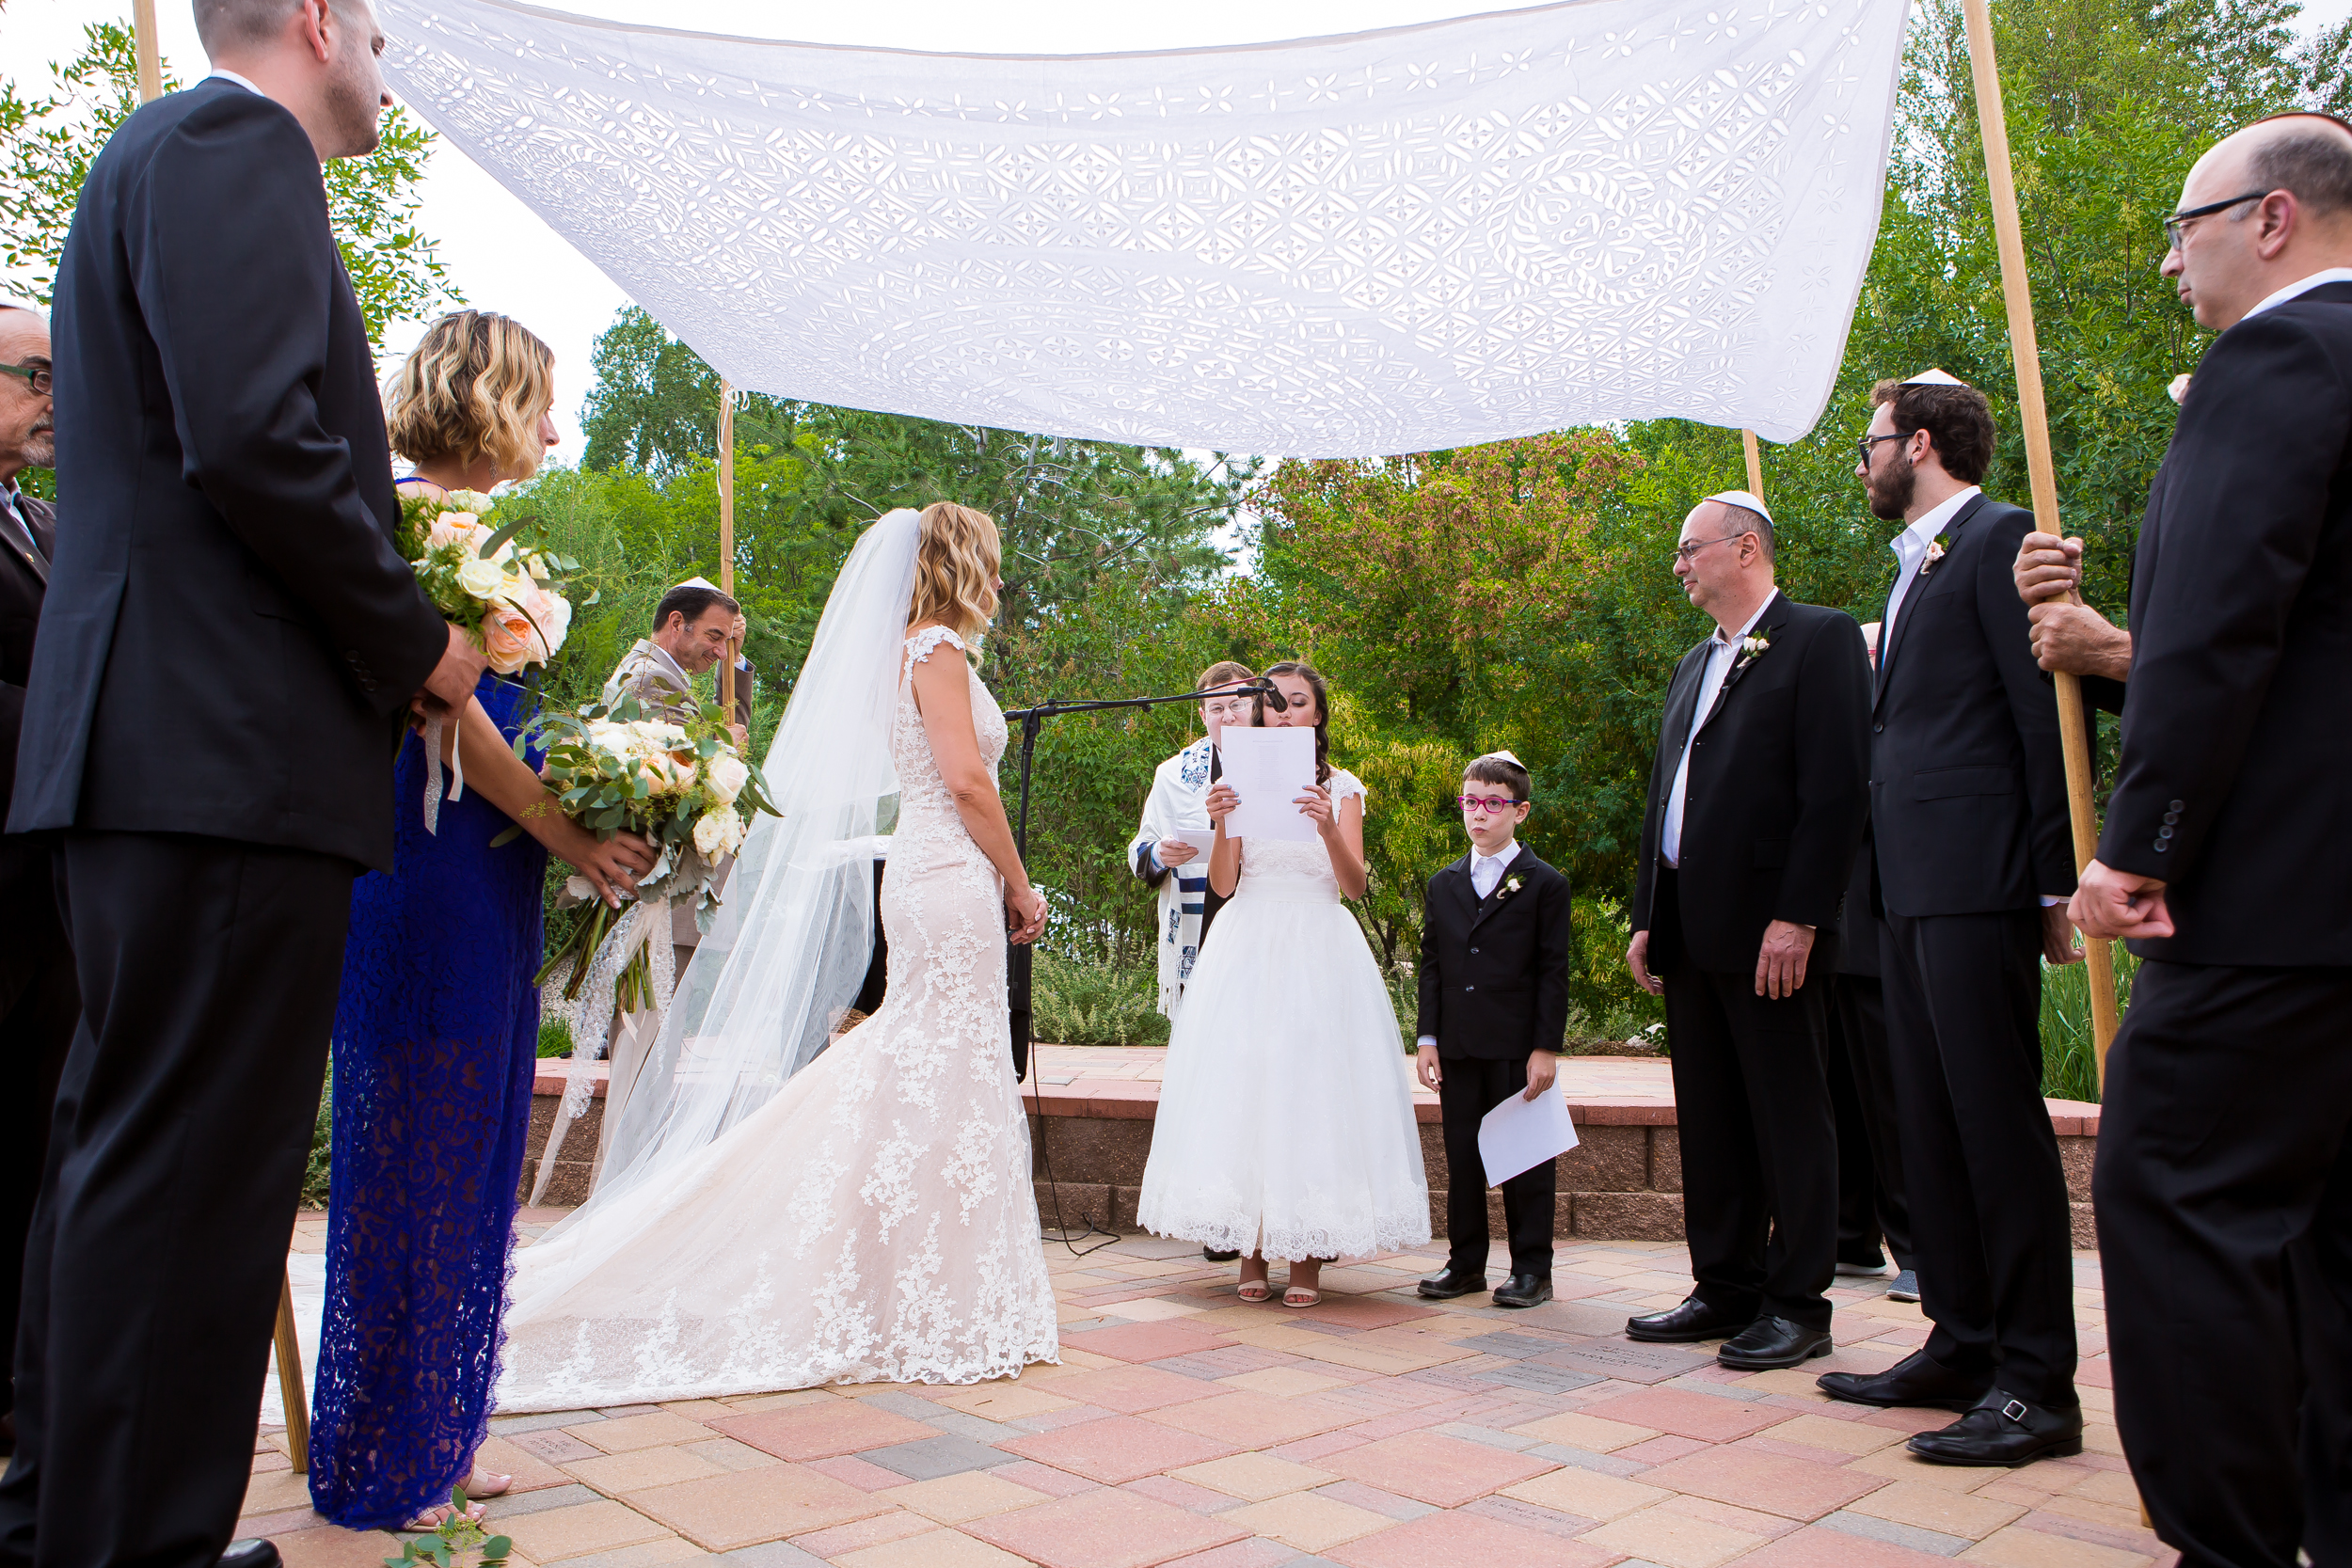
[508, 600]
[680, 786]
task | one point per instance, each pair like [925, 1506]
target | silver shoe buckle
[2015, 1410]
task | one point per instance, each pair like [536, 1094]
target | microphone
[1272, 695]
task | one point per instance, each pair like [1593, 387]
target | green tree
[48, 143]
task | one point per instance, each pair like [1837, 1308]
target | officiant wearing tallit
[1170, 847]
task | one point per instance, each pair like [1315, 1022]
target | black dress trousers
[209, 971]
[2224, 1193]
[1990, 1228]
[1759, 1137]
[1869, 1149]
[38, 1004]
[1468, 1089]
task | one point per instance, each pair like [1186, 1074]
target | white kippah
[701, 582]
[1505, 756]
[1743, 498]
[1932, 377]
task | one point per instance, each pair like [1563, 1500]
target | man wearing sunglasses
[38, 999]
[1756, 808]
[2224, 1179]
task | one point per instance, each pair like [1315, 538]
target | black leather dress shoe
[1213, 1255]
[1771, 1342]
[2004, 1430]
[1693, 1320]
[253, 1552]
[1917, 1379]
[1524, 1289]
[1453, 1282]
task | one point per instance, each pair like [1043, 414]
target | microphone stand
[1018, 966]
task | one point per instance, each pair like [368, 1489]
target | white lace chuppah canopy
[1386, 242]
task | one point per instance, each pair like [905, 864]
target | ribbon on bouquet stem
[591, 1013]
[433, 771]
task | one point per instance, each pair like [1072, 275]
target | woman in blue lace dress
[436, 1030]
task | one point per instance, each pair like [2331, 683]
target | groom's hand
[453, 679]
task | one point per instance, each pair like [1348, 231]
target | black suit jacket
[2235, 782]
[1967, 783]
[1773, 807]
[23, 580]
[1494, 971]
[229, 630]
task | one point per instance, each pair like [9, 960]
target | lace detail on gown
[874, 1221]
[437, 1035]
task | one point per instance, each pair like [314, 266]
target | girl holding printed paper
[1285, 1125]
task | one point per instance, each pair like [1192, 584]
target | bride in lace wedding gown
[873, 1219]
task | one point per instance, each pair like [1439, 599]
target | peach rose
[509, 638]
[456, 527]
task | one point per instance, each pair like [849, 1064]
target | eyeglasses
[2179, 221]
[36, 376]
[1691, 550]
[1495, 805]
[1862, 447]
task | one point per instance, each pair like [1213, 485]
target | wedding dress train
[873, 1221]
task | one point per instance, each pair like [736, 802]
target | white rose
[2179, 388]
[470, 500]
[725, 777]
[717, 833]
[480, 578]
[537, 565]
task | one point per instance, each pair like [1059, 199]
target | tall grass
[2070, 1061]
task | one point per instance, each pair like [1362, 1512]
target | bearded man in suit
[38, 1000]
[1755, 807]
[229, 648]
[2224, 1176]
[1968, 823]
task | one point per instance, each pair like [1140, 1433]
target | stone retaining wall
[1623, 1182]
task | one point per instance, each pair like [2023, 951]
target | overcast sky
[505, 258]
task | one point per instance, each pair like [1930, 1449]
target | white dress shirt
[1720, 652]
[2302, 286]
[1911, 548]
[1485, 871]
[232, 76]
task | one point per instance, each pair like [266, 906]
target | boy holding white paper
[1495, 949]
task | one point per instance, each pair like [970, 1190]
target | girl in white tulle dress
[1285, 1124]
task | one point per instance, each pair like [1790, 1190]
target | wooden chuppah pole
[2074, 723]
[1756, 464]
[148, 49]
[726, 538]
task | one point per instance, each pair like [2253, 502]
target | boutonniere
[2179, 388]
[1511, 884]
[1752, 646]
[1936, 553]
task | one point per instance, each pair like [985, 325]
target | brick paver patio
[1375, 1430]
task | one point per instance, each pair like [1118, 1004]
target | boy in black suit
[1495, 945]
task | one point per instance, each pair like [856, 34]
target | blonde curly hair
[475, 386]
[956, 562]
